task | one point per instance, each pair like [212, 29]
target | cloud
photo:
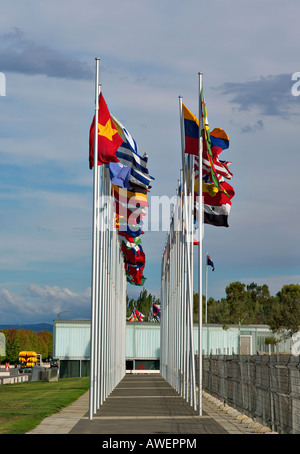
[20, 54]
[43, 303]
[271, 95]
[253, 128]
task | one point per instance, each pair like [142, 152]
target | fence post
[271, 395]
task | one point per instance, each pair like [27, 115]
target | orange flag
[108, 138]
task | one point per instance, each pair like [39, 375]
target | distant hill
[36, 327]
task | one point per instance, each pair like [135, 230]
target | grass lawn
[24, 405]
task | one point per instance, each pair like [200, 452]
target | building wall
[2, 345]
[217, 340]
[142, 340]
[71, 340]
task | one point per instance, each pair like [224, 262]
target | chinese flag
[108, 137]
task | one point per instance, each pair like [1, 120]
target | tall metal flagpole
[183, 253]
[200, 202]
[206, 276]
[188, 245]
[94, 247]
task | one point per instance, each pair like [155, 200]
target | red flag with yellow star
[108, 138]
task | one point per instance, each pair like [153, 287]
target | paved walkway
[145, 404]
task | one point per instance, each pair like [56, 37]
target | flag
[155, 313]
[221, 197]
[191, 130]
[207, 153]
[130, 204]
[217, 193]
[132, 199]
[139, 284]
[216, 206]
[133, 256]
[210, 262]
[130, 238]
[119, 174]
[208, 187]
[124, 216]
[217, 215]
[139, 315]
[219, 141]
[134, 274]
[156, 309]
[136, 316]
[132, 318]
[130, 229]
[128, 155]
[108, 137]
[129, 214]
[139, 189]
[129, 210]
[221, 167]
[131, 242]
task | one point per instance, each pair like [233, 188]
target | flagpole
[200, 201]
[94, 247]
[206, 290]
[183, 255]
[188, 244]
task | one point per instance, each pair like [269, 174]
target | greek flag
[128, 155]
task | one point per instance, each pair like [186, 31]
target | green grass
[24, 405]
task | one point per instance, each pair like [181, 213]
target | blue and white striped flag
[128, 155]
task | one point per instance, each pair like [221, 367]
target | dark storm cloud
[20, 54]
[271, 95]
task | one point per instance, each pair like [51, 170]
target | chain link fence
[264, 387]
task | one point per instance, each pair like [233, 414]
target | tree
[214, 310]
[27, 340]
[263, 303]
[45, 348]
[240, 308]
[12, 344]
[143, 303]
[285, 318]
[130, 304]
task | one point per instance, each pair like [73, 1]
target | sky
[150, 54]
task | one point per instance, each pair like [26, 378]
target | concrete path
[143, 404]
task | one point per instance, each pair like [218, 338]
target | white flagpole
[188, 245]
[184, 256]
[200, 202]
[94, 247]
[98, 286]
[100, 309]
[206, 289]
